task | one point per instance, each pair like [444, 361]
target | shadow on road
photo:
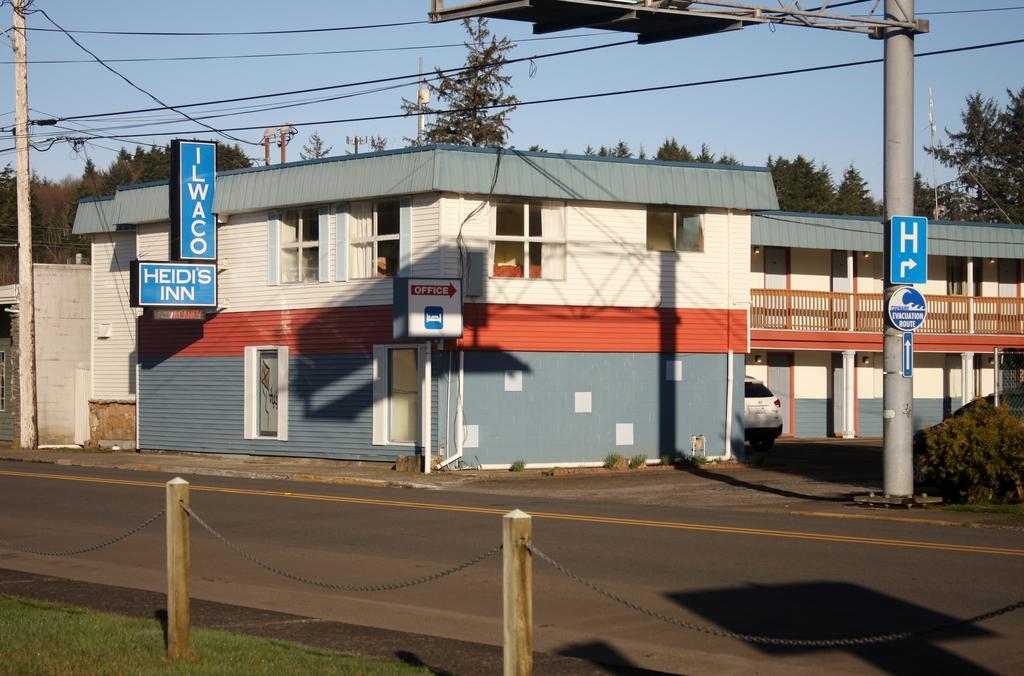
[764, 488]
[606, 658]
[835, 610]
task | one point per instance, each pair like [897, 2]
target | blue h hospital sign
[193, 178]
[908, 250]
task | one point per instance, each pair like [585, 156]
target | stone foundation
[112, 423]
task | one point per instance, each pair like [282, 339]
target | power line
[620, 92]
[267, 55]
[416, 77]
[293, 31]
[135, 86]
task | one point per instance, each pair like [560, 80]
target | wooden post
[517, 593]
[177, 569]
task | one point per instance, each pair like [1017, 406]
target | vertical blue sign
[195, 181]
[908, 250]
[908, 355]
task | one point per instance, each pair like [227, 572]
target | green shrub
[978, 455]
[611, 460]
[668, 460]
[517, 466]
[637, 461]
[692, 460]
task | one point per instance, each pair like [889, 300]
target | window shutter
[249, 396]
[405, 237]
[273, 249]
[380, 393]
[325, 244]
[283, 393]
[341, 243]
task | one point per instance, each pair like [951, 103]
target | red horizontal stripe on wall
[537, 328]
[311, 331]
[560, 328]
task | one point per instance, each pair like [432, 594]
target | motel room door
[780, 365]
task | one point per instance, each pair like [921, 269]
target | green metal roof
[864, 233]
[95, 214]
[460, 170]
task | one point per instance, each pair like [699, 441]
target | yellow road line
[879, 517]
[619, 521]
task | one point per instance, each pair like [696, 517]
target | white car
[762, 414]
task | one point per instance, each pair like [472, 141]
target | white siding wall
[810, 374]
[154, 241]
[243, 278]
[811, 269]
[113, 358]
[607, 262]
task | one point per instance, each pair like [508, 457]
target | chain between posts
[334, 586]
[766, 640]
[85, 550]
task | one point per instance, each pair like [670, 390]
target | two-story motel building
[609, 306]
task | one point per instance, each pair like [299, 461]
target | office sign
[908, 250]
[192, 188]
[176, 285]
[907, 309]
[427, 308]
[907, 354]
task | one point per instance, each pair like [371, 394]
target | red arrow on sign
[434, 290]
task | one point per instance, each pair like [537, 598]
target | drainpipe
[728, 338]
[458, 414]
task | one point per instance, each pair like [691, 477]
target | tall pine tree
[475, 107]
[853, 197]
[802, 186]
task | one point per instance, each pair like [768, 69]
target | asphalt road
[766, 573]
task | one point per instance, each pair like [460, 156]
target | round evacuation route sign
[907, 309]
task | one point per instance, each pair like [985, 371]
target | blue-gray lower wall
[197, 404]
[926, 412]
[540, 424]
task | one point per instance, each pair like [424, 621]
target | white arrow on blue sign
[908, 355]
[908, 250]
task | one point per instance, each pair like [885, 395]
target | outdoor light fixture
[757, 250]
[757, 359]
[865, 359]
[867, 254]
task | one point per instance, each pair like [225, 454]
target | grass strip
[46, 638]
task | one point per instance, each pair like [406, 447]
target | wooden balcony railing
[829, 311]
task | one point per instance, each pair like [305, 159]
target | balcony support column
[966, 378]
[849, 393]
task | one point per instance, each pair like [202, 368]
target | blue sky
[834, 117]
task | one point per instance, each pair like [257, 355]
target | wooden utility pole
[27, 436]
[355, 141]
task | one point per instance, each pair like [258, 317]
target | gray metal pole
[26, 303]
[897, 391]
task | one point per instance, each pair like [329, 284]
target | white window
[374, 243]
[300, 245]
[674, 229]
[528, 240]
[266, 392]
[398, 371]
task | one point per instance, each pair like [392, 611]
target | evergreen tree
[477, 107]
[924, 197]
[671, 151]
[973, 153]
[315, 148]
[801, 186]
[1010, 191]
[853, 197]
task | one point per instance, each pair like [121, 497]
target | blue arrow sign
[908, 250]
[908, 355]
